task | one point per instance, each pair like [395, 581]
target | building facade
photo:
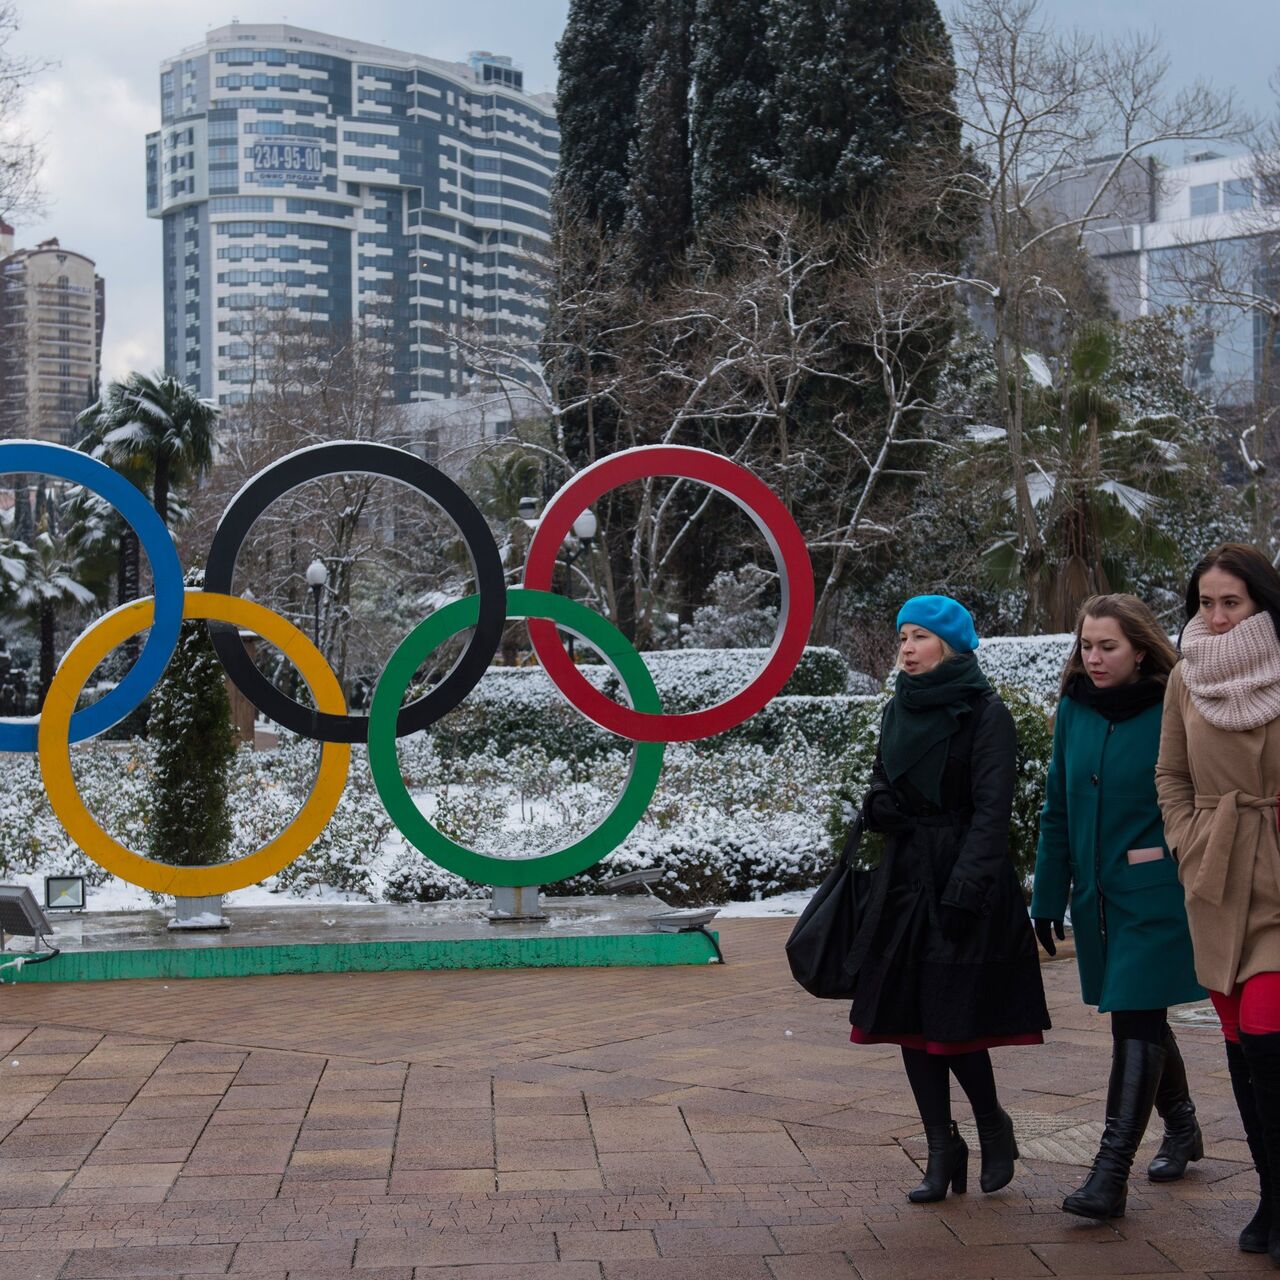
[305, 179]
[1200, 235]
[52, 309]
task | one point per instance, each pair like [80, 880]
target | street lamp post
[317, 576]
[584, 531]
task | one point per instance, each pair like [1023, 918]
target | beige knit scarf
[1233, 679]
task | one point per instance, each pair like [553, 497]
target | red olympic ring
[767, 513]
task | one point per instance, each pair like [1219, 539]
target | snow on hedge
[515, 770]
[1031, 663]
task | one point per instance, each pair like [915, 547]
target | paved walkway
[676, 1124]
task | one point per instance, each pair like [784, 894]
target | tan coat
[1218, 791]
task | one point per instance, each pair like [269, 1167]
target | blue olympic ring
[36, 456]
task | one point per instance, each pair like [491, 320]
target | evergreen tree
[599, 57]
[731, 112]
[843, 118]
[24, 527]
[660, 203]
[195, 744]
[600, 61]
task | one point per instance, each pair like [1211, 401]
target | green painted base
[605, 950]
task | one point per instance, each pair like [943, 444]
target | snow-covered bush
[740, 612]
[346, 852]
[717, 832]
[1031, 663]
[519, 707]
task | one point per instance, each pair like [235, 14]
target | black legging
[930, 1082]
[1151, 1025]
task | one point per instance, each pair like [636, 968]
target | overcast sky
[96, 105]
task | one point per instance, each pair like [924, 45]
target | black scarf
[920, 720]
[1120, 702]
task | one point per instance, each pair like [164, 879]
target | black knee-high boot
[1262, 1053]
[1253, 1238]
[1135, 1073]
[1183, 1141]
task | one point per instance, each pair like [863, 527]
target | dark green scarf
[918, 723]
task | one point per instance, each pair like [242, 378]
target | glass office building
[341, 184]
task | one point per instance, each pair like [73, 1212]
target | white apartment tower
[321, 178]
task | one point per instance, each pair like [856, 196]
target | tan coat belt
[1211, 879]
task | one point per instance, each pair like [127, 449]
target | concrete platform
[347, 938]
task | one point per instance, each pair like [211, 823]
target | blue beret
[945, 617]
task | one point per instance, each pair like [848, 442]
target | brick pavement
[708, 1124]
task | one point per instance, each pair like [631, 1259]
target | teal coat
[1132, 943]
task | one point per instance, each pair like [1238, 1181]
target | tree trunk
[130, 566]
[160, 499]
[46, 650]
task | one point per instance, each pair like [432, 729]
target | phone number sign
[290, 159]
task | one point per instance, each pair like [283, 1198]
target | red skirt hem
[858, 1036]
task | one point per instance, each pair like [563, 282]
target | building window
[1204, 199]
[1237, 193]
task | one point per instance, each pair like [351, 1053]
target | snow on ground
[116, 895]
[781, 904]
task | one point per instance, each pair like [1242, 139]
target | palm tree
[49, 578]
[154, 424]
[1102, 477]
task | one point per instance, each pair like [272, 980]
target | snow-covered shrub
[740, 613]
[519, 707]
[1035, 747]
[1030, 663]
[413, 878]
[344, 854]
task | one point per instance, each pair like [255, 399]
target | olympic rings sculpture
[482, 615]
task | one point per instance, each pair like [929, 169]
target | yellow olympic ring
[55, 748]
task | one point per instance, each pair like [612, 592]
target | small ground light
[20, 914]
[64, 893]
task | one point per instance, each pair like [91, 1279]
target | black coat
[911, 979]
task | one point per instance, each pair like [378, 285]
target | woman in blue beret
[944, 959]
[1102, 843]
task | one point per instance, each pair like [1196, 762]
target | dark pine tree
[659, 220]
[732, 126]
[863, 113]
[600, 58]
[843, 119]
[190, 724]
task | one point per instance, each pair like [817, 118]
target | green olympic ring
[646, 762]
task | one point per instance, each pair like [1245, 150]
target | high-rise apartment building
[52, 308]
[317, 179]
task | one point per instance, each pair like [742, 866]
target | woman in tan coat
[1218, 778]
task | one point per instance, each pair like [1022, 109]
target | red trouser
[1253, 1007]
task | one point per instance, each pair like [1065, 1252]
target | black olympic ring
[339, 458]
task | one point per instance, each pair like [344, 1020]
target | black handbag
[820, 943]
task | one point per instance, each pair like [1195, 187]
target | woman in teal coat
[1102, 843]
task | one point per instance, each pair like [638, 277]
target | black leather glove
[1045, 929]
[955, 923]
[884, 812]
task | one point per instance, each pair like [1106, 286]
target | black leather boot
[1253, 1239]
[999, 1149]
[1136, 1066]
[1183, 1141]
[948, 1164]
[1262, 1054]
